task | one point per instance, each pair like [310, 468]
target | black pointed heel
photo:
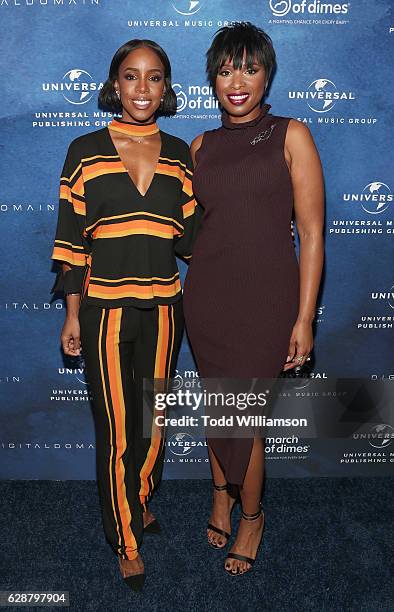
[153, 527]
[135, 581]
[230, 555]
[216, 529]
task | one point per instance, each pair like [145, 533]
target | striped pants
[121, 347]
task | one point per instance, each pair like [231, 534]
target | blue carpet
[327, 547]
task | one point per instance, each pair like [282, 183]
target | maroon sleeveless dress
[241, 292]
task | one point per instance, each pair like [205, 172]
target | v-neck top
[120, 244]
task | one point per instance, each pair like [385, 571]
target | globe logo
[80, 371]
[181, 444]
[385, 431]
[187, 7]
[181, 97]
[322, 95]
[391, 300]
[378, 201]
[79, 86]
[280, 9]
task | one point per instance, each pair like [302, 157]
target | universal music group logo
[77, 86]
[309, 7]
[187, 7]
[375, 198]
[321, 95]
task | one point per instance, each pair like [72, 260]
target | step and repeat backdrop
[334, 74]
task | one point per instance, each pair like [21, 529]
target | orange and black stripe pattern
[127, 476]
[141, 222]
[162, 370]
[140, 234]
[72, 190]
[68, 245]
[100, 165]
[134, 286]
[111, 381]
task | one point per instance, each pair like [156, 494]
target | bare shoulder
[196, 143]
[195, 146]
[298, 134]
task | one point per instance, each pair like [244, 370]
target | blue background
[41, 42]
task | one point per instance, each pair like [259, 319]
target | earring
[118, 94]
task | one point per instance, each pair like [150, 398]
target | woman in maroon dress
[248, 303]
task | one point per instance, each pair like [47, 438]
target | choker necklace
[134, 129]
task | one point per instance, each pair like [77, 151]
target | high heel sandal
[135, 581]
[212, 527]
[230, 555]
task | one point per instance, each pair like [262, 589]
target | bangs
[236, 53]
[236, 42]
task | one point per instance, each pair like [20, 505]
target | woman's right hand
[70, 336]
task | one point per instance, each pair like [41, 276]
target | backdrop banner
[334, 69]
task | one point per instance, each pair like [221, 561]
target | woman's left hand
[301, 344]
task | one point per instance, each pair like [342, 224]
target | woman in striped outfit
[126, 209]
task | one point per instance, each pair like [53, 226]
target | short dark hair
[108, 100]
[232, 42]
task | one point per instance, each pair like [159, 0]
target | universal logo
[263, 135]
[197, 97]
[49, 3]
[187, 7]
[311, 7]
[319, 312]
[321, 95]
[78, 371]
[77, 86]
[384, 295]
[380, 436]
[375, 198]
[181, 444]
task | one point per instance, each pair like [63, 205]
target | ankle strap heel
[220, 487]
[212, 527]
[252, 517]
[230, 555]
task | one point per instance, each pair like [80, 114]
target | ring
[300, 358]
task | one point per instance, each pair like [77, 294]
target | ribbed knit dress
[241, 293]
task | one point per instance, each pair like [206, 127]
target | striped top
[120, 244]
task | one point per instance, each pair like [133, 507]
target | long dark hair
[108, 100]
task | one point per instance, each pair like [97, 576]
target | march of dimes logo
[195, 99]
[310, 8]
[77, 86]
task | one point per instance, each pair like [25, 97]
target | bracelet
[72, 293]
